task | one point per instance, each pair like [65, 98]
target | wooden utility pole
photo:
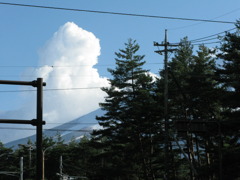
[166, 44]
[60, 168]
[21, 168]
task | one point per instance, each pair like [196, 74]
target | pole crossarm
[19, 121]
[26, 83]
[164, 44]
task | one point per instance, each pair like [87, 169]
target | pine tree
[130, 123]
[229, 73]
[7, 162]
[205, 108]
[193, 101]
[179, 75]
[229, 77]
[179, 70]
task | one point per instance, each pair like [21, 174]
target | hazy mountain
[72, 129]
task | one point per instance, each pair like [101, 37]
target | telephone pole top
[166, 50]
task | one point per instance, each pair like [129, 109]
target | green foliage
[229, 76]
[130, 123]
[7, 162]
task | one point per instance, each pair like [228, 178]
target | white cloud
[68, 59]
[66, 62]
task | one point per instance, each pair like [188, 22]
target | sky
[72, 50]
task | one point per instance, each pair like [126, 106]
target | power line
[181, 27]
[72, 66]
[117, 13]
[212, 35]
[80, 130]
[73, 123]
[208, 43]
[207, 38]
[52, 76]
[33, 129]
[66, 89]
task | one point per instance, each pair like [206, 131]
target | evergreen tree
[229, 74]
[7, 163]
[193, 100]
[229, 77]
[179, 75]
[130, 123]
[205, 108]
[178, 82]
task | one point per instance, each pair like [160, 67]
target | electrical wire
[207, 38]
[72, 66]
[71, 89]
[34, 129]
[72, 123]
[67, 89]
[212, 35]
[181, 27]
[71, 130]
[208, 43]
[52, 76]
[116, 13]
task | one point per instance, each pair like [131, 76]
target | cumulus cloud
[66, 64]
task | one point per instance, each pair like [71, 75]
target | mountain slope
[74, 129]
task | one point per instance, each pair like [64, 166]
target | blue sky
[24, 31]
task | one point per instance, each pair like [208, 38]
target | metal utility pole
[39, 85]
[166, 44]
[38, 122]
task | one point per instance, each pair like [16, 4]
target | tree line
[199, 140]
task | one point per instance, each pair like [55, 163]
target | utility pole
[30, 156]
[30, 148]
[38, 122]
[166, 44]
[60, 168]
[21, 168]
[39, 166]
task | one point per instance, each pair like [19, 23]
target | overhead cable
[181, 27]
[207, 43]
[212, 35]
[204, 40]
[116, 13]
[72, 66]
[207, 38]
[31, 129]
[66, 89]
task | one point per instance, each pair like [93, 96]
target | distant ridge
[74, 129]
